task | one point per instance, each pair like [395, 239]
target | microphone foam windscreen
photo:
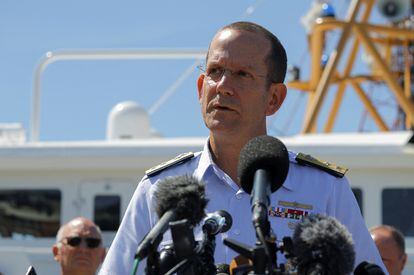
[323, 242]
[183, 194]
[263, 152]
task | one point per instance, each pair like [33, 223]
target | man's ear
[404, 260]
[200, 81]
[277, 94]
[55, 250]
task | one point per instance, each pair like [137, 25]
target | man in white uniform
[241, 86]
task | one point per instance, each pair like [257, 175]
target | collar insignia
[160, 167]
[330, 168]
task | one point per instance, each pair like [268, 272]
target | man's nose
[225, 84]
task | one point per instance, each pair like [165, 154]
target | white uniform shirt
[307, 190]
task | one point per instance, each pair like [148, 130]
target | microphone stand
[260, 199]
[206, 254]
[183, 258]
[263, 254]
[152, 263]
[257, 255]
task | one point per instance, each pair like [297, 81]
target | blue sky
[78, 95]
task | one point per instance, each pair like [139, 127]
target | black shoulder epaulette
[330, 168]
[178, 159]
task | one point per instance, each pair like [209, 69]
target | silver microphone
[217, 222]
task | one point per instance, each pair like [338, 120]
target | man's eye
[214, 72]
[243, 74]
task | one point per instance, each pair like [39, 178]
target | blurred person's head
[78, 247]
[391, 245]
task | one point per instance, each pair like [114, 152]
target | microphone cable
[206, 254]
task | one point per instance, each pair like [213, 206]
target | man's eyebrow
[231, 65]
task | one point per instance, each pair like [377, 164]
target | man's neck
[76, 272]
[225, 153]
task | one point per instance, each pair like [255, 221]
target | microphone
[262, 169]
[31, 271]
[366, 268]
[222, 269]
[177, 198]
[322, 245]
[217, 222]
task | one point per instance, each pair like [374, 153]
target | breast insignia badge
[287, 213]
[295, 204]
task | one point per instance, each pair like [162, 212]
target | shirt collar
[289, 183]
[205, 161]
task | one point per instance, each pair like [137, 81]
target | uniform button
[238, 196]
[236, 231]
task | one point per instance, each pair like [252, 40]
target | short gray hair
[59, 235]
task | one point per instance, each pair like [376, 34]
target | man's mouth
[222, 107]
[83, 260]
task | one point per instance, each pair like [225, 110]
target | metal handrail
[61, 55]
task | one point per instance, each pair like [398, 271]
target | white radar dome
[128, 120]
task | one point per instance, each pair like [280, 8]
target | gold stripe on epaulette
[330, 168]
[178, 159]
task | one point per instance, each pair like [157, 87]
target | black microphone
[322, 245]
[217, 222]
[31, 271]
[262, 169]
[177, 198]
[366, 268]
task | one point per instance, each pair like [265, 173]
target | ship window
[26, 213]
[358, 196]
[398, 208]
[107, 212]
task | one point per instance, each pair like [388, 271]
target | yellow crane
[380, 42]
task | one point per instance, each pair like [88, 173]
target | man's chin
[81, 267]
[221, 124]
[224, 131]
[220, 128]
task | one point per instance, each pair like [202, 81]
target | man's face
[234, 93]
[79, 259]
[394, 260]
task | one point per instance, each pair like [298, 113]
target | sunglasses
[90, 242]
